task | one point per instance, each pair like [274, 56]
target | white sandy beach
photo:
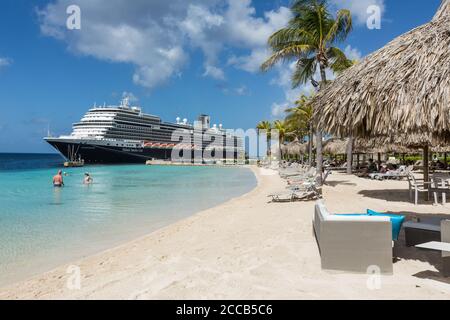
[248, 248]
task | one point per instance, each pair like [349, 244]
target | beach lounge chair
[300, 175]
[353, 243]
[309, 193]
[398, 174]
[325, 176]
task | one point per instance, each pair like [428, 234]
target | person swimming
[88, 179]
[58, 180]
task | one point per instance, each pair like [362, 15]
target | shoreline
[244, 248]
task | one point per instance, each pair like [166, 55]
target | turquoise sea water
[42, 227]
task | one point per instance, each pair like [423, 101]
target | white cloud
[130, 95]
[155, 36]
[251, 32]
[120, 32]
[285, 71]
[278, 110]
[4, 62]
[284, 81]
[352, 53]
[214, 72]
[358, 8]
[242, 91]
[250, 63]
[237, 91]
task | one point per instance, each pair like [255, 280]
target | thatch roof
[441, 149]
[383, 145]
[402, 88]
[284, 149]
[296, 147]
[372, 145]
[335, 146]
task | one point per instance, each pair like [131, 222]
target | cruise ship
[124, 134]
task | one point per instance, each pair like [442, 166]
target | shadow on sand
[434, 258]
[339, 183]
[392, 195]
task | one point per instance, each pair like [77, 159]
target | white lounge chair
[309, 193]
[417, 186]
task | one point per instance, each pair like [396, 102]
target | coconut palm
[302, 114]
[309, 40]
[283, 131]
[267, 127]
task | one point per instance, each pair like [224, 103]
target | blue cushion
[396, 221]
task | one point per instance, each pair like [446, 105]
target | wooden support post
[349, 155]
[426, 174]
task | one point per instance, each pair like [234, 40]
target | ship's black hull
[93, 154]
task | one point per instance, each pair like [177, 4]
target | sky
[177, 58]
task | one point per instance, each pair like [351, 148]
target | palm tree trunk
[349, 155]
[310, 146]
[319, 155]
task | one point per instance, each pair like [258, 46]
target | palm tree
[283, 131]
[309, 39]
[267, 127]
[302, 113]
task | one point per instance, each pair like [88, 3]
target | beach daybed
[353, 243]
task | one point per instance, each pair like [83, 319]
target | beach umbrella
[401, 89]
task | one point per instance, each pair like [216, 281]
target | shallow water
[42, 226]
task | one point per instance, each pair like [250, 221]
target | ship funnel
[205, 120]
[125, 103]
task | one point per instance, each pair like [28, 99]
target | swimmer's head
[59, 172]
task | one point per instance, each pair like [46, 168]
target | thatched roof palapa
[364, 146]
[335, 146]
[403, 88]
[296, 148]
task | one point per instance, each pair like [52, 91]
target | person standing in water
[58, 180]
[88, 179]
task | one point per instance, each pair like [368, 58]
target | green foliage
[309, 39]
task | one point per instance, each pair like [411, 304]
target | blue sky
[178, 58]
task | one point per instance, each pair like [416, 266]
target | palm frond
[340, 27]
[286, 54]
[305, 69]
[289, 35]
[338, 60]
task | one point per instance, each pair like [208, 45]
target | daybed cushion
[396, 220]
